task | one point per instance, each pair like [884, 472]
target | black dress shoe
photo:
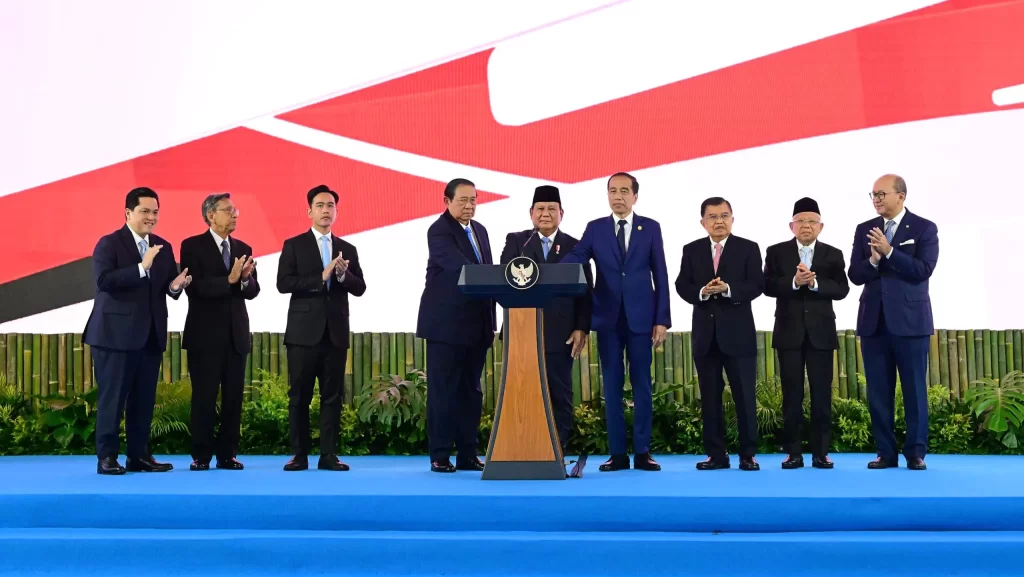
[645, 462]
[444, 466]
[793, 462]
[712, 464]
[474, 464]
[146, 464]
[749, 464]
[297, 463]
[199, 465]
[231, 464]
[822, 462]
[109, 466]
[331, 463]
[881, 463]
[615, 463]
[916, 464]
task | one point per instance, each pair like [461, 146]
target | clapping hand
[340, 266]
[181, 281]
[804, 276]
[879, 245]
[248, 267]
[241, 269]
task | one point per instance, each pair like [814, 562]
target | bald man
[893, 257]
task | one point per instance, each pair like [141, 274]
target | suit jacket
[217, 313]
[727, 320]
[563, 315]
[446, 314]
[900, 283]
[803, 311]
[638, 281]
[316, 306]
[127, 305]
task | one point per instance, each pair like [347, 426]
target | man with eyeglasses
[893, 257]
[805, 275]
[216, 332]
[720, 275]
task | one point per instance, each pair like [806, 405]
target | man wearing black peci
[720, 276]
[805, 275]
[216, 331]
[566, 319]
[320, 271]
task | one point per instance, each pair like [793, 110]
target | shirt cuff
[728, 293]
[142, 271]
[245, 283]
[814, 285]
[891, 248]
[703, 296]
[794, 284]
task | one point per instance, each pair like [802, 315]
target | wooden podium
[524, 441]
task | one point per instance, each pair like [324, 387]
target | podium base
[523, 471]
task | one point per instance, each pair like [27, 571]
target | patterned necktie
[469, 233]
[805, 256]
[890, 230]
[142, 251]
[718, 255]
[325, 256]
[225, 253]
[547, 246]
[621, 236]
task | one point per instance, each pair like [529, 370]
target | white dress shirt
[814, 283]
[217, 239]
[330, 248]
[728, 291]
[895, 228]
[629, 226]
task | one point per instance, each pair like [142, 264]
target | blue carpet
[391, 516]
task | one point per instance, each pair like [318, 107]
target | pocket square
[911, 241]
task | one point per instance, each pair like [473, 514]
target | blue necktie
[469, 233]
[547, 246]
[890, 230]
[225, 253]
[325, 255]
[142, 251]
[805, 256]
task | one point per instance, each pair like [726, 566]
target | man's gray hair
[899, 185]
[211, 203]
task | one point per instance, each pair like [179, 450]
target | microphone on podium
[523, 246]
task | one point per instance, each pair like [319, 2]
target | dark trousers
[884, 355]
[218, 370]
[559, 373]
[637, 346]
[306, 366]
[454, 399]
[742, 373]
[126, 386]
[818, 364]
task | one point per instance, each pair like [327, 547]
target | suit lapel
[817, 257]
[609, 235]
[903, 230]
[460, 236]
[535, 248]
[129, 242]
[637, 239]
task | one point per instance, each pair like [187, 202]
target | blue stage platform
[391, 516]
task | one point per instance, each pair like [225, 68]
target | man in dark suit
[566, 319]
[320, 271]
[805, 275]
[630, 313]
[127, 330]
[720, 275]
[893, 258]
[217, 331]
[458, 330]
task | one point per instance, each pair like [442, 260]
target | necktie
[469, 233]
[142, 251]
[621, 236]
[225, 253]
[890, 229]
[718, 255]
[547, 246]
[325, 256]
[805, 256]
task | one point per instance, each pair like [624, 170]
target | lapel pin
[558, 247]
[639, 228]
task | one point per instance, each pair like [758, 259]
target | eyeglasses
[879, 194]
[807, 221]
[231, 211]
[716, 217]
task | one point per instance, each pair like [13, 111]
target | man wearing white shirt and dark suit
[319, 271]
[893, 257]
[127, 331]
[805, 275]
[720, 275]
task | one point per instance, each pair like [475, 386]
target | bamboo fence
[45, 364]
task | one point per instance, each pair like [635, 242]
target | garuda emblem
[522, 272]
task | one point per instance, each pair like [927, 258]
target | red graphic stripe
[939, 62]
[267, 177]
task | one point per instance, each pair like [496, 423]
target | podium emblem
[522, 272]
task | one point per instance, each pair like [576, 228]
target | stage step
[84, 552]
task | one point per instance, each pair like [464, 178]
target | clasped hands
[879, 245]
[716, 286]
[804, 276]
[338, 266]
[180, 282]
[241, 270]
